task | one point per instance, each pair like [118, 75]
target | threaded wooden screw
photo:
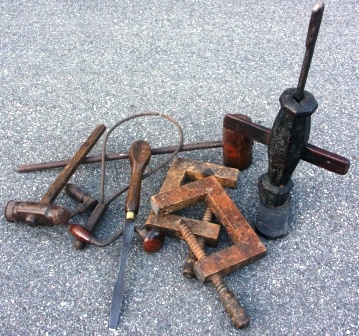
[228, 299]
[191, 258]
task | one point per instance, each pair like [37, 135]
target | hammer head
[33, 212]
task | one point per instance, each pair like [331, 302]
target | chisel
[139, 155]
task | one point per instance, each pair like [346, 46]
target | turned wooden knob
[152, 241]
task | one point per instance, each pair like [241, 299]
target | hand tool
[33, 218]
[120, 156]
[84, 235]
[246, 248]
[152, 240]
[238, 135]
[290, 133]
[206, 232]
[287, 144]
[228, 299]
[187, 269]
[86, 201]
[45, 214]
[140, 154]
[312, 154]
[191, 170]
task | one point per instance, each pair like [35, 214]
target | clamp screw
[228, 299]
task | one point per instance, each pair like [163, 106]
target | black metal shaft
[287, 143]
[313, 31]
[120, 156]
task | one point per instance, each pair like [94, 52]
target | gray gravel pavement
[66, 66]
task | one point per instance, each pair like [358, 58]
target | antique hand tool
[206, 232]
[191, 170]
[38, 213]
[246, 248]
[120, 156]
[238, 135]
[287, 144]
[140, 154]
[152, 240]
[228, 299]
[187, 269]
[86, 201]
[290, 133]
[84, 234]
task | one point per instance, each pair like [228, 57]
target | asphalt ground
[66, 67]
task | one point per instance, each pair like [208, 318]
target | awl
[139, 155]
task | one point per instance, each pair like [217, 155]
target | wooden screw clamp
[246, 249]
[228, 299]
[247, 246]
[181, 170]
[206, 232]
[191, 257]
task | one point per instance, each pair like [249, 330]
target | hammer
[44, 212]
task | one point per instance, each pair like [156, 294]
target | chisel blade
[119, 288]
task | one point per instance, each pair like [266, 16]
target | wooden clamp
[247, 246]
[181, 170]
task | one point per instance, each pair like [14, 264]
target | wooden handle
[237, 148]
[152, 240]
[74, 192]
[81, 233]
[73, 164]
[140, 155]
[229, 301]
[234, 309]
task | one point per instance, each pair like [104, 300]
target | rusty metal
[246, 248]
[228, 299]
[120, 156]
[187, 270]
[61, 180]
[289, 135]
[313, 31]
[84, 234]
[288, 144]
[45, 214]
[86, 201]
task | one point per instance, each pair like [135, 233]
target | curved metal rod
[103, 243]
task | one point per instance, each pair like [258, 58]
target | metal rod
[119, 156]
[313, 31]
